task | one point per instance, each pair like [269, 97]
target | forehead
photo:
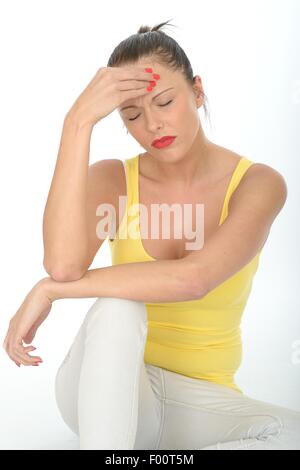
[156, 67]
[168, 78]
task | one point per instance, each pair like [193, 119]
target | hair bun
[147, 29]
[157, 46]
[144, 29]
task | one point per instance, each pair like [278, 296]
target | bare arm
[149, 281]
[65, 233]
[68, 244]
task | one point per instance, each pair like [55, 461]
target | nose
[153, 121]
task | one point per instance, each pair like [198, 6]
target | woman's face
[174, 112]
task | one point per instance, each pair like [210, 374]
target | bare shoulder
[260, 177]
[111, 168]
[262, 181]
[264, 174]
[106, 182]
[107, 177]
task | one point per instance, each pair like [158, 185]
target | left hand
[23, 325]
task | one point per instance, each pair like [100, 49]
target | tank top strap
[236, 177]
[131, 170]
[132, 180]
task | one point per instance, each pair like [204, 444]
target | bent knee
[120, 301]
[118, 312]
[116, 304]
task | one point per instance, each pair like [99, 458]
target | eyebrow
[132, 106]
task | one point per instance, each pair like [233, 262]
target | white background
[247, 54]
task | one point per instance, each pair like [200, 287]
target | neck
[192, 168]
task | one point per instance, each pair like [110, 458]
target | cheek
[190, 124]
[186, 115]
[185, 108]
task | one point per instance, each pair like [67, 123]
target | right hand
[110, 87]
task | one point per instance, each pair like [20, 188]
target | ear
[198, 90]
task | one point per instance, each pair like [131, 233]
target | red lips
[162, 139]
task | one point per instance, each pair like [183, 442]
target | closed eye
[133, 119]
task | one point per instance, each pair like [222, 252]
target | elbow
[64, 273]
[194, 282]
[61, 275]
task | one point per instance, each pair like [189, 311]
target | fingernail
[149, 69]
[149, 88]
[156, 76]
[152, 83]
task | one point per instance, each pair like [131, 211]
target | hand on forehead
[168, 79]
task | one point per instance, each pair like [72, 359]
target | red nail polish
[149, 88]
[152, 83]
[148, 70]
[156, 76]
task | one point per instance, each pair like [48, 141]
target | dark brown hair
[155, 44]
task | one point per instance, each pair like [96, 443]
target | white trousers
[111, 399]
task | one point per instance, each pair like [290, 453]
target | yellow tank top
[197, 338]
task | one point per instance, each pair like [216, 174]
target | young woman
[153, 364]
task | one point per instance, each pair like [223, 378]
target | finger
[138, 74]
[26, 362]
[21, 356]
[17, 352]
[135, 85]
[17, 357]
[29, 348]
